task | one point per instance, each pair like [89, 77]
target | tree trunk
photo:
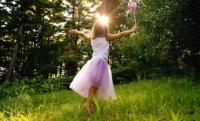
[14, 55]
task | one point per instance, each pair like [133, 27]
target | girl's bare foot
[87, 108]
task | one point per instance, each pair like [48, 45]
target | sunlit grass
[146, 100]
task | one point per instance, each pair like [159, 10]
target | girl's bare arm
[121, 34]
[85, 36]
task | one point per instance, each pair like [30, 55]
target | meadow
[167, 99]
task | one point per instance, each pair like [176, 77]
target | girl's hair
[99, 30]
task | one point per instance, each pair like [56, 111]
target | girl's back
[100, 47]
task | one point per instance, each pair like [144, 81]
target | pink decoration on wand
[132, 7]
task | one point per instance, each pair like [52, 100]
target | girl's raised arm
[121, 34]
[85, 36]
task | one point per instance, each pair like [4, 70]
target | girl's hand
[73, 31]
[85, 36]
[134, 28]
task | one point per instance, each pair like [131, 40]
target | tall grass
[146, 100]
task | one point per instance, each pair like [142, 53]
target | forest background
[37, 50]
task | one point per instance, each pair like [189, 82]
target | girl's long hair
[99, 30]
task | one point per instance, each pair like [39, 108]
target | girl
[95, 78]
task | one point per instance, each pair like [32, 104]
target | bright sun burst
[103, 19]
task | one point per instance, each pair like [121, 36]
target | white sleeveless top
[100, 47]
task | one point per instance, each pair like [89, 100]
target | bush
[37, 85]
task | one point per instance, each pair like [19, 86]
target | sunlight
[103, 19]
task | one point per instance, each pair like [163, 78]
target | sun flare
[103, 19]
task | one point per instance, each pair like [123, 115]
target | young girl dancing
[95, 78]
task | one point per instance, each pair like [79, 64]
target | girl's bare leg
[87, 105]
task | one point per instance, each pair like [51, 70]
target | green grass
[146, 100]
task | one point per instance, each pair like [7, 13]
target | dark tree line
[34, 39]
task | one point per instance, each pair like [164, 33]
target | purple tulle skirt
[96, 73]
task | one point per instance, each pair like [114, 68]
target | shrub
[37, 85]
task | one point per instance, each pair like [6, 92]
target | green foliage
[123, 74]
[167, 24]
[166, 99]
[159, 47]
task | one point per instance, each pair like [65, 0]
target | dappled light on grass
[67, 107]
[165, 99]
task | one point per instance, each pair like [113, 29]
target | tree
[21, 20]
[81, 17]
[37, 23]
